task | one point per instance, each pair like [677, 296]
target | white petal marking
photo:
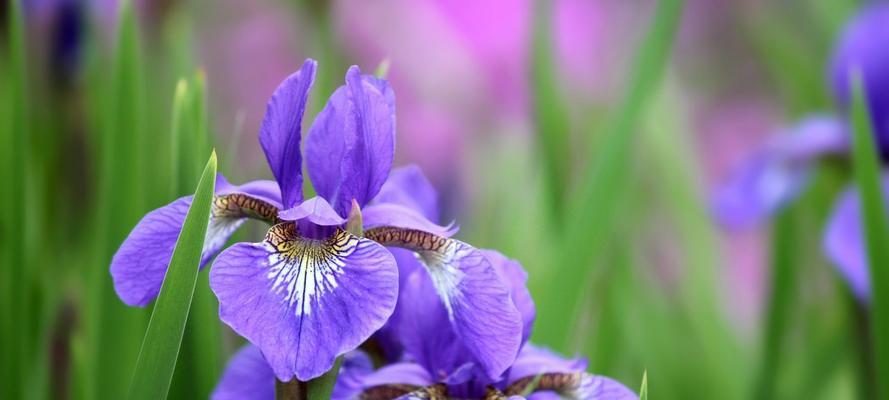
[442, 266]
[301, 269]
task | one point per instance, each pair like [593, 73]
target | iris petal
[279, 134]
[140, 263]
[477, 303]
[576, 385]
[395, 215]
[407, 186]
[425, 330]
[777, 172]
[554, 374]
[303, 302]
[317, 210]
[247, 376]
[406, 373]
[351, 144]
[844, 243]
[514, 276]
[349, 383]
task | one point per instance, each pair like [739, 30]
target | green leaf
[116, 329]
[157, 359]
[179, 138]
[552, 119]
[643, 390]
[867, 176]
[14, 338]
[593, 208]
[190, 138]
[783, 270]
[202, 355]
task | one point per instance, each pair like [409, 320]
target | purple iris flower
[310, 291]
[439, 359]
[539, 371]
[779, 171]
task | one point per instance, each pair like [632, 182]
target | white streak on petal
[307, 269]
[442, 267]
[218, 232]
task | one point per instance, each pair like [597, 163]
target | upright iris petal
[351, 144]
[316, 210]
[407, 186]
[862, 48]
[279, 133]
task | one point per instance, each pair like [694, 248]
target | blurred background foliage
[508, 106]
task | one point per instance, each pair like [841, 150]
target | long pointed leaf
[15, 271]
[157, 359]
[593, 207]
[117, 329]
[643, 390]
[876, 232]
[552, 120]
[783, 270]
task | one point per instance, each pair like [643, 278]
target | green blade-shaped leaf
[552, 121]
[643, 390]
[181, 165]
[157, 359]
[876, 232]
[783, 270]
[116, 329]
[201, 360]
[15, 273]
[593, 209]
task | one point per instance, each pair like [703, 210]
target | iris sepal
[139, 265]
[305, 301]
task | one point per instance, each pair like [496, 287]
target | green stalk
[593, 207]
[783, 280]
[876, 233]
[552, 119]
[118, 329]
[15, 272]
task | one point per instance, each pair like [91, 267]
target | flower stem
[292, 390]
[863, 330]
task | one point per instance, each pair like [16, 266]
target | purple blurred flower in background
[312, 291]
[780, 170]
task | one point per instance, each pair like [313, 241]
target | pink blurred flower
[464, 67]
